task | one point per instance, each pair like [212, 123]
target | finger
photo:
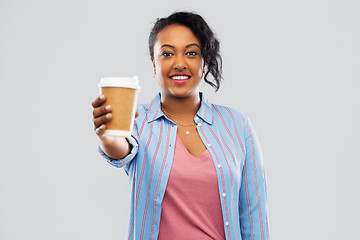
[99, 111]
[102, 120]
[98, 101]
[100, 130]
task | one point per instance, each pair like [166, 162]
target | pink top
[191, 207]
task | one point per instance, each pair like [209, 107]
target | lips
[180, 78]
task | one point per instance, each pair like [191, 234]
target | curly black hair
[210, 46]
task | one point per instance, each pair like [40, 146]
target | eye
[192, 53]
[166, 54]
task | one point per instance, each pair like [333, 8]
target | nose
[180, 63]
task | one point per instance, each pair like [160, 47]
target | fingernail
[102, 97]
[108, 107]
[108, 115]
[101, 127]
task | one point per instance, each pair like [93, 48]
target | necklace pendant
[187, 132]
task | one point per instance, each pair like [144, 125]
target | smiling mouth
[177, 77]
[180, 79]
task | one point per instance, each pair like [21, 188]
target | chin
[183, 93]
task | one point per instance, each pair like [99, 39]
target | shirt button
[197, 118]
[224, 194]
[199, 124]
[226, 223]
[219, 165]
[208, 144]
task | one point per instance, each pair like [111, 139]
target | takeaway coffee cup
[121, 93]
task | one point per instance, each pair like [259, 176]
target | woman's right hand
[114, 147]
[101, 116]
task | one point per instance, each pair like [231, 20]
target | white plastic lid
[127, 82]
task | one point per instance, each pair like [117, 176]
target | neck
[181, 106]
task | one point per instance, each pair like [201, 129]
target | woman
[195, 168]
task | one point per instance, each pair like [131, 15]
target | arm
[117, 150]
[123, 162]
[253, 199]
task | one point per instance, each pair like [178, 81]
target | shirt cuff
[127, 159]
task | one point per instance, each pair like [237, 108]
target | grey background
[292, 66]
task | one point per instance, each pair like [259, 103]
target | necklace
[171, 117]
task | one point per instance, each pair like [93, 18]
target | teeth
[180, 77]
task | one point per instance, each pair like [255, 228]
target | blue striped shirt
[233, 145]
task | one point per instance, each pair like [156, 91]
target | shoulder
[142, 109]
[146, 110]
[229, 114]
[150, 107]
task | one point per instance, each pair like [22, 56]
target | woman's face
[178, 63]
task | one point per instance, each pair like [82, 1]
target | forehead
[176, 35]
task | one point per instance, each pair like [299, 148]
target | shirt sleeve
[124, 162]
[253, 192]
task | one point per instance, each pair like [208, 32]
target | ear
[153, 63]
[203, 72]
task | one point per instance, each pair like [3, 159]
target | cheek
[164, 67]
[200, 67]
[158, 68]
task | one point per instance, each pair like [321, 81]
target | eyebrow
[192, 44]
[187, 46]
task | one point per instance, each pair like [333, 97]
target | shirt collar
[205, 110]
[154, 112]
